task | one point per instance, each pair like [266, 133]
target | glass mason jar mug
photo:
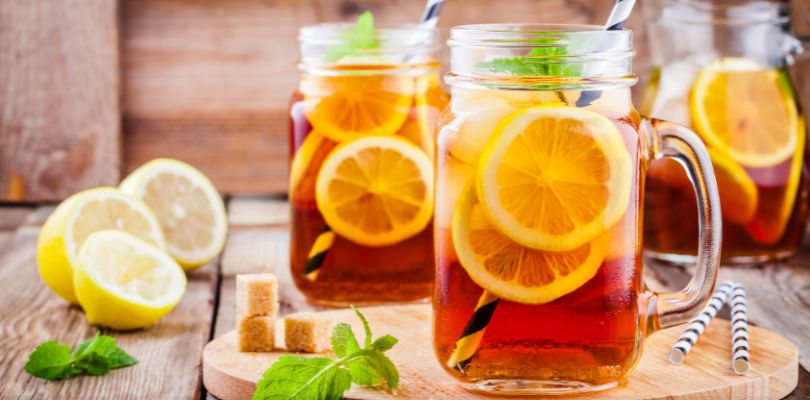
[541, 159]
[721, 69]
[361, 176]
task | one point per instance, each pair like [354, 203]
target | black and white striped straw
[739, 331]
[698, 325]
[430, 16]
[616, 21]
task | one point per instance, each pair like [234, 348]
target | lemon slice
[554, 177]
[744, 109]
[517, 273]
[123, 282]
[376, 191]
[347, 107]
[304, 169]
[75, 219]
[189, 208]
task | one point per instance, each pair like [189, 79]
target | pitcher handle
[670, 140]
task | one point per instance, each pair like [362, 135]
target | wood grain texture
[231, 375]
[168, 352]
[800, 16]
[209, 82]
[59, 97]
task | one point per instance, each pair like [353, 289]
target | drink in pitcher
[735, 92]
[541, 159]
[361, 175]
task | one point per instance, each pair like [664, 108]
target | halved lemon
[189, 208]
[376, 191]
[75, 219]
[746, 110]
[123, 282]
[347, 107]
[514, 272]
[554, 177]
[304, 169]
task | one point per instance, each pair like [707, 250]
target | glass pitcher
[721, 69]
[541, 159]
[361, 173]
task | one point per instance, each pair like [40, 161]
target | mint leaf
[384, 343]
[303, 378]
[95, 356]
[292, 377]
[366, 327]
[343, 340]
[51, 361]
[356, 39]
[383, 366]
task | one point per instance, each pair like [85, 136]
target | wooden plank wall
[59, 105]
[203, 81]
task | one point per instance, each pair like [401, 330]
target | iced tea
[361, 178]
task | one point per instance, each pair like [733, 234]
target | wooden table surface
[169, 352]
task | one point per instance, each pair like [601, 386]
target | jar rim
[528, 34]
[726, 12]
[331, 33]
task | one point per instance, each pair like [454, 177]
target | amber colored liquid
[352, 273]
[592, 335]
[774, 232]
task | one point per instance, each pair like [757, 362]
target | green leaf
[366, 327]
[363, 373]
[302, 378]
[118, 358]
[51, 361]
[105, 348]
[383, 366]
[384, 343]
[343, 340]
[93, 364]
[356, 39]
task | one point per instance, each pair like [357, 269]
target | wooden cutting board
[231, 375]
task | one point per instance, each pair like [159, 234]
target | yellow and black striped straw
[470, 339]
[317, 254]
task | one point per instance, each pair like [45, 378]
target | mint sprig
[355, 39]
[324, 378]
[95, 356]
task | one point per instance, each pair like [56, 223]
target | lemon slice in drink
[743, 109]
[554, 177]
[75, 219]
[123, 282]
[304, 169]
[514, 272]
[376, 191]
[347, 107]
[189, 208]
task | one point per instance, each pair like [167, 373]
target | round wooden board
[231, 375]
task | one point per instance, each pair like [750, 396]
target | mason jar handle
[670, 140]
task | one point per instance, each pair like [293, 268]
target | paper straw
[470, 339]
[698, 325]
[739, 331]
[430, 16]
[317, 253]
[616, 21]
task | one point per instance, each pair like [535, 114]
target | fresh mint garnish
[324, 378]
[355, 39]
[95, 356]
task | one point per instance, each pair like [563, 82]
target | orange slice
[554, 177]
[347, 107]
[739, 197]
[376, 191]
[304, 169]
[745, 110]
[768, 226]
[514, 272]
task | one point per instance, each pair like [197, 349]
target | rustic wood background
[90, 89]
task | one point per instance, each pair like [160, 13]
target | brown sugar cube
[308, 332]
[256, 295]
[256, 334]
